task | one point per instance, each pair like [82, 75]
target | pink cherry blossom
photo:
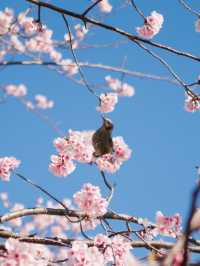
[152, 25]
[17, 91]
[121, 149]
[112, 162]
[118, 251]
[55, 56]
[113, 83]
[168, 226]
[28, 24]
[108, 163]
[19, 253]
[42, 102]
[81, 31]
[81, 255]
[122, 89]
[90, 201]
[86, 225]
[7, 165]
[191, 105]
[102, 241]
[126, 90]
[107, 102]
[61, 165]
[6, 18]
[105, 6]
[42, 42]
[68, 66]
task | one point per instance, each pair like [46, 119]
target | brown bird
[102, 139]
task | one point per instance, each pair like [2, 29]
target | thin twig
[138, 10]
[169, 68]
[186, 6]
[27, 180]
[90, 8]
[108, 185]
[76, 60]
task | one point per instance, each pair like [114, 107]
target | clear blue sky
[164, 138]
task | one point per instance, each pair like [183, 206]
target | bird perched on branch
[102, 139]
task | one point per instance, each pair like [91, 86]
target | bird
[102, 139]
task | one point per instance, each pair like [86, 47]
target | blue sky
[164, 138]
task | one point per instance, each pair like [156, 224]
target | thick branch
[63, 212]
[54, 241]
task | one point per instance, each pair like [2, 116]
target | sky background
[164, 138]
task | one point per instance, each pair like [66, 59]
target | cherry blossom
[68, 66]
[42, 42]
[122, 89]
[118, 251]
[61, 166]
[17, 91]
[42, 102]
[26, 23]
[89, 201]
[81, 31]
[7, 165]
[191, 104]
[102, 241]
[112, 162]
[107, 102]
[168, 226]
[152, 25]
[6, 18]
[81, 255]
[105, 6]
[18, 254]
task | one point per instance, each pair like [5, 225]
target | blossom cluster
[18, 253]
[90, 201]
[19, 91]
[14, 90]
[168, 226]
[24, 35]
[152, 25]
[7, 165]
[165, 226]
[105, 6]
[77, 146]
[104, 252]
[192, 104]
[109, 100]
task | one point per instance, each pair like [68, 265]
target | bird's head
[107, 123]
